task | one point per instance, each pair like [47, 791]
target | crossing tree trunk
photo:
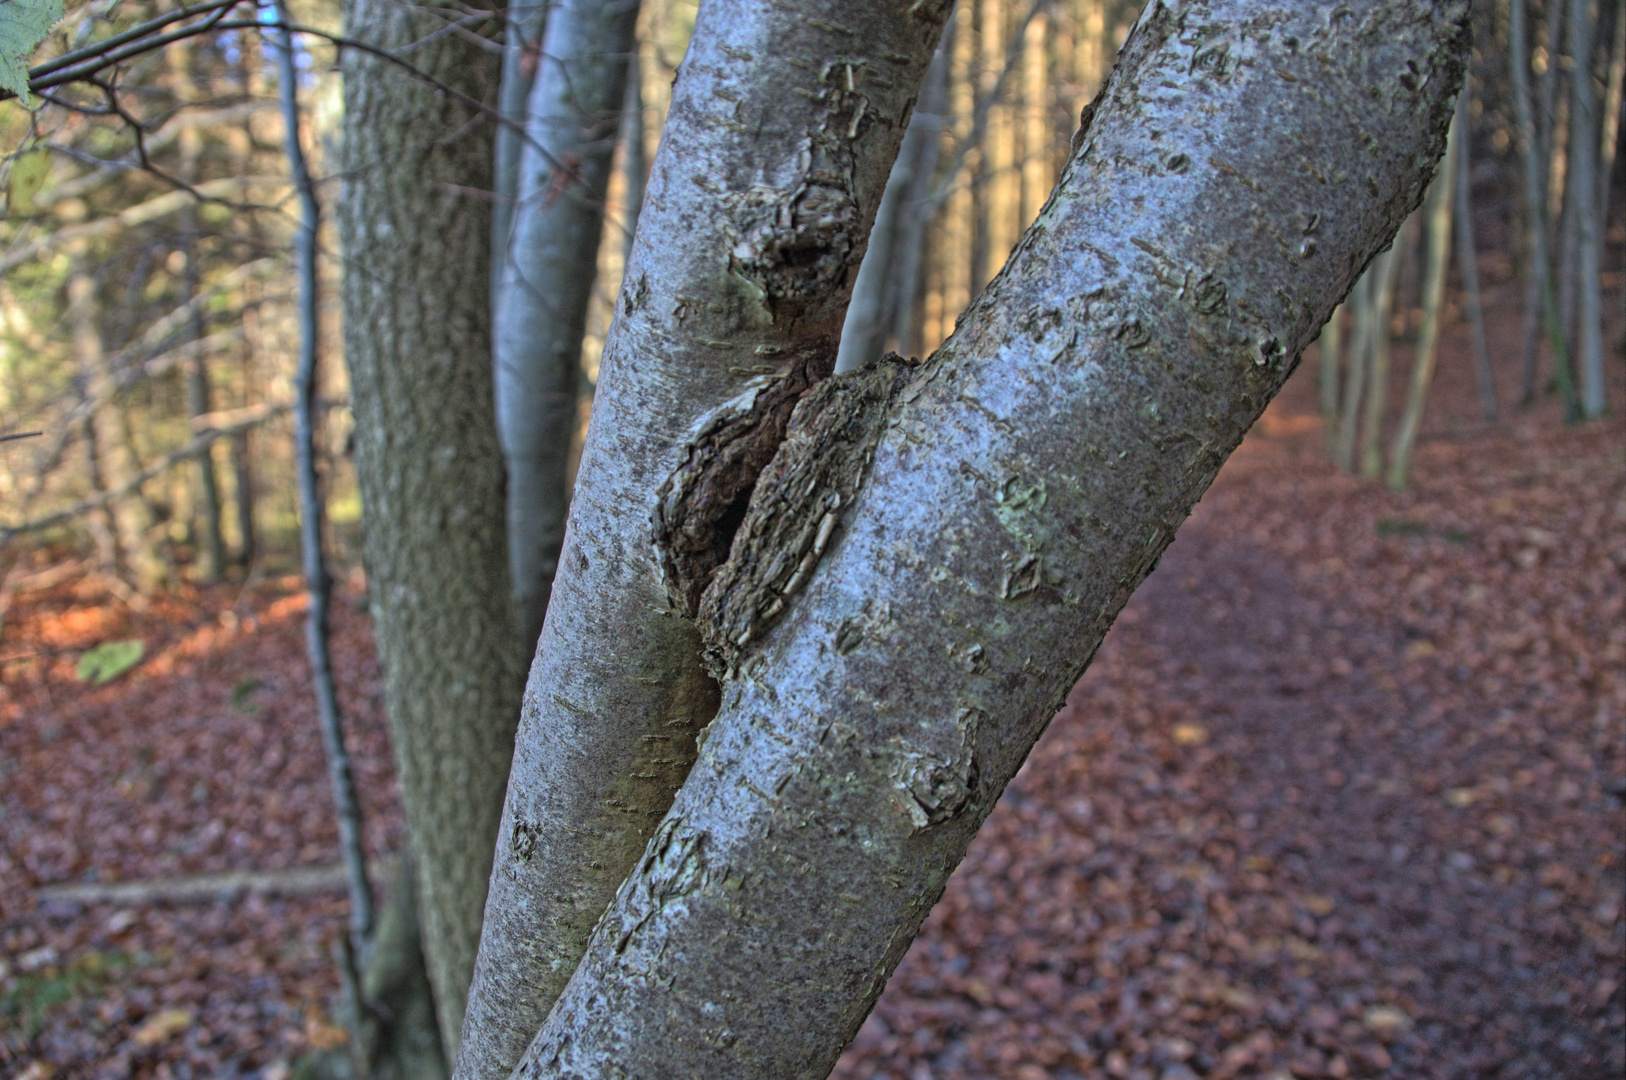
[783, 125]
[935, 552]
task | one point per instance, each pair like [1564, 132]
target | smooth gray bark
[547, 278]
[523, 26]
[865, 330]
[417, 314]
[944, 547]
[783, 125]
[634, 159]
[911, 242]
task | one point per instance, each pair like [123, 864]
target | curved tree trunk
[945, 546]
[783, 125]
[417, 313]
[547, 278]
[312, 509]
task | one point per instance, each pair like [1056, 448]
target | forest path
[1340, 796]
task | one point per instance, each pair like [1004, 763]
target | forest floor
[1344, 794]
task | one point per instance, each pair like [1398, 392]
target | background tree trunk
[1535, 197]
[782, 129]
[1468, 261]
[312, 511]
[547, 278]
[1582, 173]
[524, 23]
[1437, 226]
[887, 259]
[130, 520]
[1024, 481]
[417, 342]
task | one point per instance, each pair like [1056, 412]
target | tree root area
[1342, 796]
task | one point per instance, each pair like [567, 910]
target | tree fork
[782, 129]
[1027, 478]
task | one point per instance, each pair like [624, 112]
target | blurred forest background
[1439, 494]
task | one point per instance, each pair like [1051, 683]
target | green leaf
[109, 660]
[23, 25]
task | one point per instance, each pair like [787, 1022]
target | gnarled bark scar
[796, 506]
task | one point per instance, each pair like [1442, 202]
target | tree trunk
[634, 162]
[934, 553]
[1535, 197]
[1377, 344]
[1361, 300]
[524, 25]
[864, 332]
[910, 254]
[206, 535]
[1582, 174]
[547, 279]
[243, 498]
[318, 582]
[1437, 222]
[131, 522]
[770, 167]
[417, 343]
[1468, 262]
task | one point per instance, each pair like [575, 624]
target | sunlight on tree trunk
[935, 552]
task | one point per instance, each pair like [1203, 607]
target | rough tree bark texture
[417, 341]
[783, 124]
[935, 553]
[547, 278]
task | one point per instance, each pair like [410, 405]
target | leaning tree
[805, 628]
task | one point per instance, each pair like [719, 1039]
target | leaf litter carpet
[1342, 796]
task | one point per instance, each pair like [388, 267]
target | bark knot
[797, 505]
[700, 505]
[795, 246]
[936, 784]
